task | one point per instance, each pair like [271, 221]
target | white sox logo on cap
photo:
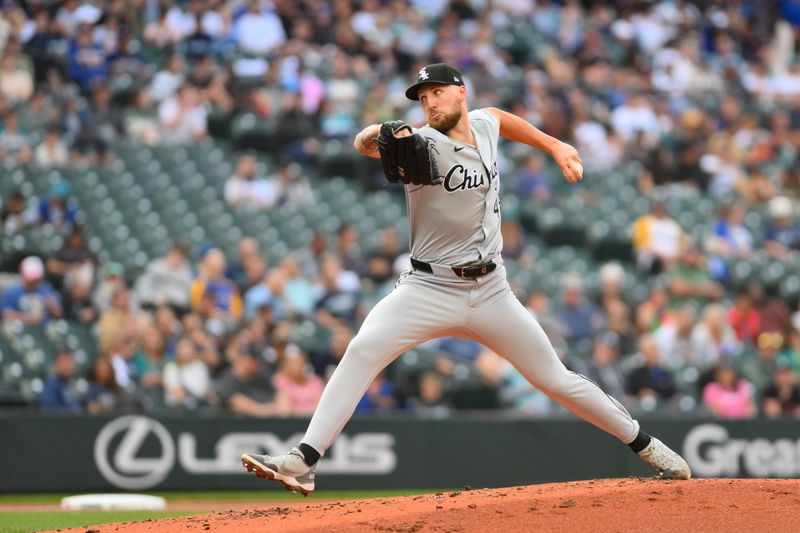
[423, 74]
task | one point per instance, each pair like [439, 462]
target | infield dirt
[625, 505]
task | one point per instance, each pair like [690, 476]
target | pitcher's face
[442, 104]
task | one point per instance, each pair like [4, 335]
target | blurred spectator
[348, 248]
[727, 239]
[326, 359]
[187, 382]
[581, 318]
[650, 379]
[45, 37]
[250, 268]
[105, 395]
[245, 191]
[379, 397]
[167, 280]
[430, 401]
[16, 77]
[140, 120]
[634, 116]
[52, 151]
[782, 234]
[296, 379]
[111, 279]
[99, 129]
[86, 60]
[612, 281]
[760, 369]
[246, 389]
[183, 117]
[744, 317]
[150, 359]
[57, 208]
[674, 337]
[338, 299]
[168, 325]
[380, 263]
[690, 280]
[13, 216]
[118, 326]
[532, 179]
[657, 238]
[296, 292]
[757, 188]
[204, 344]
[298, 139]
[14, 142]
[604, 367]
[259, 30]
[712, 338]
[293, 185]
[618, 321]
[782, 396]
[212, 294]
[729, 396]
[57, 394]
[166, 82]
[78, 305]
[31, 300]
[73, 260]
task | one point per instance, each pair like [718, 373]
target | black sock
[311, 455]
[640, 442]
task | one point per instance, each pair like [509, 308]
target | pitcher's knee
[363, 351]
[559, 384]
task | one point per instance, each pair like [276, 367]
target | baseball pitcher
[457, 284]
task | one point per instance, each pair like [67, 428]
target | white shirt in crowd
[259, 34]
[258, 193]
[51, 155]
[193, 377]
[181, 125]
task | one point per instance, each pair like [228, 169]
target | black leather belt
[464, 272]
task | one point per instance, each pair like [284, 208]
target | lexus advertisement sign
[142, 453]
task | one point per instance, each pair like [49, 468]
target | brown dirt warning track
[625, 505]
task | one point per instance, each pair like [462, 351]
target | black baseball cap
[435, 73]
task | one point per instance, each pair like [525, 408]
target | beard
[446, 122]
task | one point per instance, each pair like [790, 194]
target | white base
[107, 502]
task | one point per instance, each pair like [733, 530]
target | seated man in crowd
[245, 388]
[657, 238]
[57, 394]
[31, 300]
[651, 378]
[167, 280]
[212, 295]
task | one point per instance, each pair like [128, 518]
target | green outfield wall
[139, 453]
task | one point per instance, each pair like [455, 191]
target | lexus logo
[123, 467]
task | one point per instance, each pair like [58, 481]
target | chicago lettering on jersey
[459, 178]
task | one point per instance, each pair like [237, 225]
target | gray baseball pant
[424, 306]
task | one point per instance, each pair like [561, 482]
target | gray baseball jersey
[457, 221]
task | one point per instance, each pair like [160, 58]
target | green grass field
[31, 521]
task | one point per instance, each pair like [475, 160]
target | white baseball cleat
[669, 464]
[289, 469]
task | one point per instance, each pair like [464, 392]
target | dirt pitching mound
[632, 504]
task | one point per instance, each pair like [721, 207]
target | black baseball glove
[406, 159]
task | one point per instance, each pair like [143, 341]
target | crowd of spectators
[704, 98]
